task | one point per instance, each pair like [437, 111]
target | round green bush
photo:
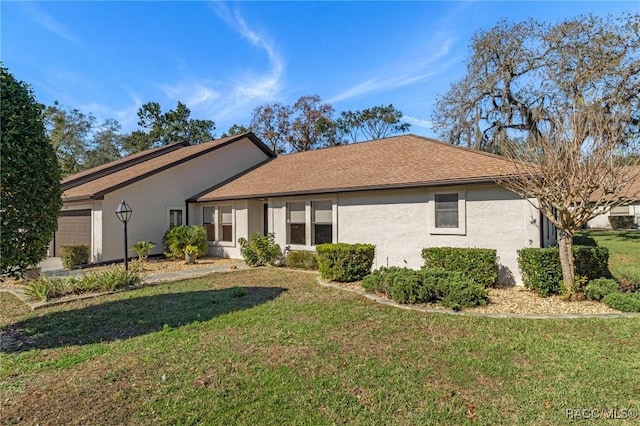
[625, 302]
[598, 289]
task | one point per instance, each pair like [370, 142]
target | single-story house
[630, 208]
[401, 193]
[155, 183]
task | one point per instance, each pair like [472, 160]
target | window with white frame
[209, 222]
[226, 223]
[296, 223]
[446, 210]
[322, 217]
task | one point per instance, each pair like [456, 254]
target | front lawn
[271, 346]
[624, 253]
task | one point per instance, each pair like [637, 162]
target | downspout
[186, 212]
[542, 217]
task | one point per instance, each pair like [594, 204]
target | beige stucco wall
[400, 223]
[150, 197]
[602, 220]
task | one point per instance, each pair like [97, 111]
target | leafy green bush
[478, 265]
[143, 249]
[345, 262]
[260, 250]
[625, 302]
[74, 255]
[584, 240]
[178, 238]
[591, 262]
[427, 285]
[44, 288]
[601, 287]
[542, 272]
[302, 259]
[621, 222]
[464, 294]
[238, 291]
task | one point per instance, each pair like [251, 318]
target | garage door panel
[74, 228]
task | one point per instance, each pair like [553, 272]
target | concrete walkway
[53, 268]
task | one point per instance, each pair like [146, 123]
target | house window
[620, 211]
[446, 210]
[175, 218]
[296, 223]
[226, 223]
[208, 220]
[322, 222]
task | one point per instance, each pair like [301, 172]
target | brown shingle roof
[400, 161]
[101, 185]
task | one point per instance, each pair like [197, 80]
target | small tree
[571, 168]
[30, 180]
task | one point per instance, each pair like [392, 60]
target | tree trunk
[566, 261]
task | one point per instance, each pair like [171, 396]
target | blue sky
[224, 59]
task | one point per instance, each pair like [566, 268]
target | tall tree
[69, 131]
[166, 128]
[106, 146]
[271, 123]
[236, 129]
[373, 123]
[520, 75]
[562, 100]
[309, 128]
[30, 199]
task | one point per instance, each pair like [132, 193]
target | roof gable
[395, 162]
[97, 182]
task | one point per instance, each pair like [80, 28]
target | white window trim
[218, 224]
[308, 214]
[462, 212]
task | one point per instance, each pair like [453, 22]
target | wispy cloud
[389, 78]
[252, 85]
[37, 15]
[193, 94]
[427, 124]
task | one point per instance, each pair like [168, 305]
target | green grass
[269, 346]
[624, 254]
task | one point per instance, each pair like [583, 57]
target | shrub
[584, 240]
[74, 255]
[621, 222]
[302, 259]
[44, 288]
[260, 250]
[542, 272]
[178, 238]
[427, 285]
[591, 262]
[143, 249]
[237, 291]
[601, 287]
[625, 302]
[345, 262]
[464, 293]
[476, 264]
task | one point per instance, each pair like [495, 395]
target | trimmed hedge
[405, 285]
[302, 260]
[625, 302]
[477, 264]
[621, 222]
[345, 262]
[541, 269]
[584, 240]
[74, 255]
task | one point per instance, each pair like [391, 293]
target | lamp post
[124, 214]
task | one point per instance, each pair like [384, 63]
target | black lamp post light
[124, 213]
